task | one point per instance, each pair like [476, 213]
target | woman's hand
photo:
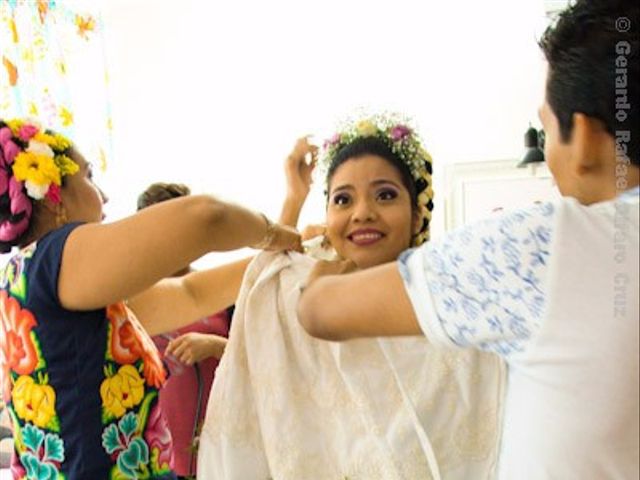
[194, 347]
[283, 237]
[298, 170]
[299, 167]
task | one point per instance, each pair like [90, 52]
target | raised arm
[105, 263]
[178, 301]
[367, 303]
[298, 169]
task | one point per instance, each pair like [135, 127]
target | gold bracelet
[269, 235]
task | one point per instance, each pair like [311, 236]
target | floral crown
[32, 164]
[396, 132]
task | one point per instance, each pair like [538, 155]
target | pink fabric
[178, 398]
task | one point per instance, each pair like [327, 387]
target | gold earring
[61, 217]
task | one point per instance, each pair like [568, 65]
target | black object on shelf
[534, 144]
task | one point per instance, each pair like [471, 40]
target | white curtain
[54, 71]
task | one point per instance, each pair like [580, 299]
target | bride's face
[369, 214]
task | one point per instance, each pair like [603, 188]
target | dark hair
[592, 51]
[160, 192]
[374, 146]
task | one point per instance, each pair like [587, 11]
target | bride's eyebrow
[384, 181]
[346, 186]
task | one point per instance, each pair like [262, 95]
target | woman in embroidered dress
[79, 373]
[313, 409]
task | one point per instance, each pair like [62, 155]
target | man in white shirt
[553, 289]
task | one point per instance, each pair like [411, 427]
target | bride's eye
[387, 194]
[341, 199]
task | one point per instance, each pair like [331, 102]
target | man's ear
[588, 143]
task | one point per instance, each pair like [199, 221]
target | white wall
[214, 94]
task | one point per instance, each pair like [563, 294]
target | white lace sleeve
[483, 285]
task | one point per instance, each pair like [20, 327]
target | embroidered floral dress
[81, 387]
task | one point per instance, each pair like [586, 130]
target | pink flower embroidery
[158, 436]
[17, 470]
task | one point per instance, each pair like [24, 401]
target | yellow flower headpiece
[36, 157]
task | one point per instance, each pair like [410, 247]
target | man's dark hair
[592, 51]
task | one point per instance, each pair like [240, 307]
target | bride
[288, 406]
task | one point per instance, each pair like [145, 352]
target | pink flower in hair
[21, 204]
[19, 201]
[27, 131]
[399, 132]
[4, 181]
[333, 140]
[53, 193]
[5, 135]
[11, 150]
[10, 231]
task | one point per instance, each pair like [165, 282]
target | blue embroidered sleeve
[483, 285]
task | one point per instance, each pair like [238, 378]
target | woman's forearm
[291, 209]
[175, 302]
[105, 263]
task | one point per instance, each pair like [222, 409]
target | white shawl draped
[286, 406]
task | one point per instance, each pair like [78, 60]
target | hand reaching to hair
[298, 169]
[193, 347]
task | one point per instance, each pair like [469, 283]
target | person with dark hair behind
[553, 289]
[191, 354]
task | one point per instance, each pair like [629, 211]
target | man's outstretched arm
[367, 303]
